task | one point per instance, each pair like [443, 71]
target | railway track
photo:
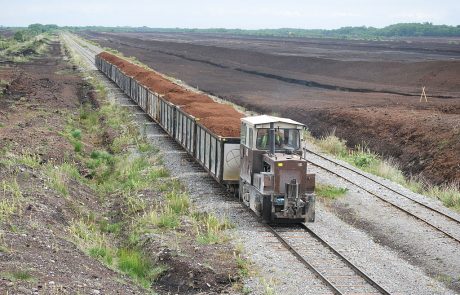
[334, 269]
[336, 272]
[439, 219]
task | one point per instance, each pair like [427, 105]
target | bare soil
[34, 109]
[367, 91]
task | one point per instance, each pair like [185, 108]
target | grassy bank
[23, 50]
[362, 158]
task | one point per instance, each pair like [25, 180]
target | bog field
[367, 92]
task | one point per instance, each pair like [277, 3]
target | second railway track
[440, 220]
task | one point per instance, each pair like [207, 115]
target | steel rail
[305, 262]
[344, 259]
[318, 273]
[381, 198]
[385, 186]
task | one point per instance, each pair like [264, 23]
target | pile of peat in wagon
[221, 119]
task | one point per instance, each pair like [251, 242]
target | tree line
[397, 30]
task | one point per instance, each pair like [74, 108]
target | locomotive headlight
[280, 164]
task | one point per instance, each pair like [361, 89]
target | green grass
[210, 229]
[18, 275]
[330, 192]
[102, 253]
[449, 195]
[243, 267]
[179, 203]
[76, 134]
[138, 267]
[113, 228]
[164, 219]
[31, 160]
[11, 199]
[59, 176]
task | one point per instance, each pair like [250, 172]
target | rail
[441, 214]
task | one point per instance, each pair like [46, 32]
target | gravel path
[277, 269]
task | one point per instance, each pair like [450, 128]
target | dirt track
[367, 91]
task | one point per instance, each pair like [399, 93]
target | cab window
[284, 139]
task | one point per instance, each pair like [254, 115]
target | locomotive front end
[274, 181]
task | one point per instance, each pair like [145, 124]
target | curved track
[442, 221]
[339, 274]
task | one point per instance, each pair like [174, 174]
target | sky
[244, 14]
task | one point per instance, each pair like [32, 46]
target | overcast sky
[246, 14]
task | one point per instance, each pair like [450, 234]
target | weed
[179, 203]
[243, 267]
[58, 177]
[210, 229]
[330, 192]
[361, 157]
[31, 160]
[166, 219]
[246, 290]
[18, 275]
[114, 228]
[76, 134]
[138, 267]
[160, 172]
[268, 287]
[134, 203]
[102, 253]
[448, 194]
[173, 184]
[77, 146]
[11, 200]
[334, 145]
[364, 159]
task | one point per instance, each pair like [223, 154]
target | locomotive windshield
[284, 139]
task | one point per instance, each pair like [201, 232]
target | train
[259, 158]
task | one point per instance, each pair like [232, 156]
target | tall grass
[210, 229]
[11, 198]
[134, 263]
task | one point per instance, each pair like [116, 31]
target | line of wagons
[218, 155]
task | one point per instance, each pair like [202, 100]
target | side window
[243, 133]
[250, 142]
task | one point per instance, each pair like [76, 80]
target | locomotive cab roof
[264, 121]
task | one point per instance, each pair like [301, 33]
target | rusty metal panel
[310, 183]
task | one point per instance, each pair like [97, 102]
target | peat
[221, 119]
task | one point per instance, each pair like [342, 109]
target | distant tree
[19, 36]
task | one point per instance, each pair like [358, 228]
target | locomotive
[274, 181]
[264, 165]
